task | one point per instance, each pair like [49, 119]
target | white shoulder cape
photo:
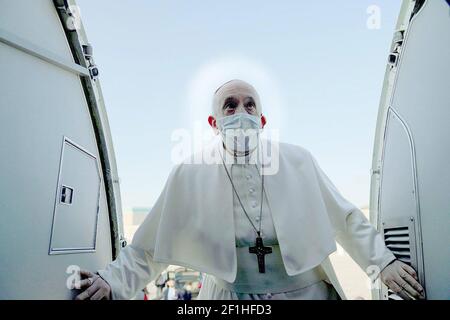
[192, 224]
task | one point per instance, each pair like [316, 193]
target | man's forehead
[236, 89]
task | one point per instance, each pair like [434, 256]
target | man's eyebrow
[249, 99]
[229, 99]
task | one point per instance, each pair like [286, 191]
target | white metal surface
[42, 100]
[411, 171]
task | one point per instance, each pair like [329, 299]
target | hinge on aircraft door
[123, 242]
[71, 13]
[396, 48]
[93, 69]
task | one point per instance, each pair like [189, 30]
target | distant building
[354, 281]
[132, 219]
[139, 214]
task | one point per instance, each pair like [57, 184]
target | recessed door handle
[66, 195]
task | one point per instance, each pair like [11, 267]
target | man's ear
[263, 120]
[212, 122]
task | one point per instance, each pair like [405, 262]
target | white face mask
[240, 132]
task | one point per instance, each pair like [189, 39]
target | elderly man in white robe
[253, 234]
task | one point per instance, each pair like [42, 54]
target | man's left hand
[402, 279]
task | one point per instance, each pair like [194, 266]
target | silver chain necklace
[259, 249]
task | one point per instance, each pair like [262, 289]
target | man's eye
[230, 105]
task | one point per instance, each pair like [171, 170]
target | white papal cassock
[197, 222]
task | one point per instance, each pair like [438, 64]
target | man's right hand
[95, 288]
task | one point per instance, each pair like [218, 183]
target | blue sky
[316, 65]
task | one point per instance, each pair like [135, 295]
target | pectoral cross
[260, 252]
